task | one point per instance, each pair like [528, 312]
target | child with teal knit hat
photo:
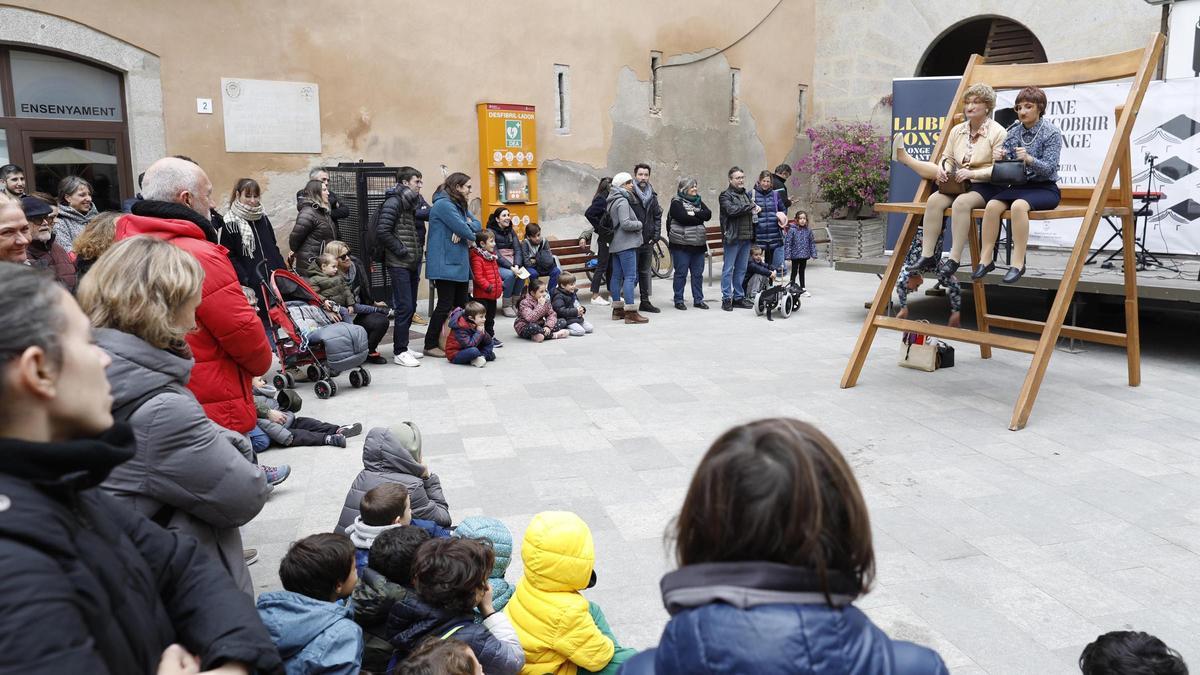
[482, 527]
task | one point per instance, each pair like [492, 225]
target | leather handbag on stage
[1008, 172]
[953, 186]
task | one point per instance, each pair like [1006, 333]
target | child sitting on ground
[798, 247]
[539, 260]
[486, 284]
[495, 532]
[1126, 652]
[466, 341]
[559, 629]
[758, 274]
[450, 580]
[287, 429]
[386, 581]
[565, 302]
[393, 455]
[384, 508]
[310, 621]
[536, 319]
[437, 656]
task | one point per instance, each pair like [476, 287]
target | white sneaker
[599, 300]
[805, 294]
[479, 362]
[406, 359]
[415, 354]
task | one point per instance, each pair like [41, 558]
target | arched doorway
[64, 117]
[998, 39]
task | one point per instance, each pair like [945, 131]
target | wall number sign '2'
[204, 106]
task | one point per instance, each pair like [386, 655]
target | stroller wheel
[787, 307]
[366, 377]
[355, 379]
[280, 382]
[314, 373]
[291, 381]
[323, 389]
[759, 306]
[333, 385]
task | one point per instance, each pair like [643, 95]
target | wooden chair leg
[883, 297]
[978, 292]
[1133, 343]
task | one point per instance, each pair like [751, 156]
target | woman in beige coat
[970, 144]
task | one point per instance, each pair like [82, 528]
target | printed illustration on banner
[512, 134]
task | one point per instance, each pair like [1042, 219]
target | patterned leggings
[953, 289]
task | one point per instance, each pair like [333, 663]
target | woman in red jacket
[486, 284]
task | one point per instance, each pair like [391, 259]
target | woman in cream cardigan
[971, 144]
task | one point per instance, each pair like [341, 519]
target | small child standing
[310, 621]
[466, 341]
[536, 319]
[799, 246]
[758, 274]
[539, 260]
[570, 312]
[486, 284]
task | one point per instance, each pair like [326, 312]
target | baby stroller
[308, 342]
[784, 297]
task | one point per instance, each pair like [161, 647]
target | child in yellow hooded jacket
[559, 629]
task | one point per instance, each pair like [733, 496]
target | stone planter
[850, 239]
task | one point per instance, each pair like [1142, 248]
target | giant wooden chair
[1089, 203]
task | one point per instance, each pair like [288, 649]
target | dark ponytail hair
[451, 187]
[494, 219]
[602, 189]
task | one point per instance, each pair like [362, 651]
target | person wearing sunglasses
[44, 252]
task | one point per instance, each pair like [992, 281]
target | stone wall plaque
[271, 116]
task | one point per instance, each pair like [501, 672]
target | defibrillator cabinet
[508, 160]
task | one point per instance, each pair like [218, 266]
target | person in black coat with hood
[89, 585]
[337, 208]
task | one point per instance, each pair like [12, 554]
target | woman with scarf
[687, 239]
[75, 210]
[248, 235]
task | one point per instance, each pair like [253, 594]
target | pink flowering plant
[849, 163]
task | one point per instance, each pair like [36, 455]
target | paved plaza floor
[1005, 551]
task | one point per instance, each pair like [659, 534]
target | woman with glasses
[452, 231]
[358, 279]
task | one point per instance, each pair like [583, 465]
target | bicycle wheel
[660, 263]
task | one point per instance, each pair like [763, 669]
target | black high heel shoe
[981, 271]
[1013, 275]
[927, 263]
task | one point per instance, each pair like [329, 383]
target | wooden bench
[1090, 203]
[571, 256]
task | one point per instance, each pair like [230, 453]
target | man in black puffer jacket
[403, 243]
[649, 211]
[89, 585]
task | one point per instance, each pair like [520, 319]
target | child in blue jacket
[799, 247]
[310, 621]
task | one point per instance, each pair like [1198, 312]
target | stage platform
[1044, 270]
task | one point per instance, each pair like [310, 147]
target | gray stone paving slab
[1005, 551]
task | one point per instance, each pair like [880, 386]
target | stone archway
[142, 71]
[999, 39]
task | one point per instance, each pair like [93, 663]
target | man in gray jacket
[737, 225]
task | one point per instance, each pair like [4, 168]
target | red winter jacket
[229, 344]
[462, 335]
[486, 283]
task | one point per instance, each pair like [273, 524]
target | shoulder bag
[953, 186]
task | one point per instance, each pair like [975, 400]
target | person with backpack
[402, 247]
[597, 216]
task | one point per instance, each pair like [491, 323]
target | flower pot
[850, 239]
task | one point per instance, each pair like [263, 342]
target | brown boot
[632, 316]
[618, 311]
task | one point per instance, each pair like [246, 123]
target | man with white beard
[43, 252]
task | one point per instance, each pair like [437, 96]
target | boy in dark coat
[565, 301]
[466, 341]
[539, 260]
[386, 581]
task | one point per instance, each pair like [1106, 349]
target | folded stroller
[308, 342]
